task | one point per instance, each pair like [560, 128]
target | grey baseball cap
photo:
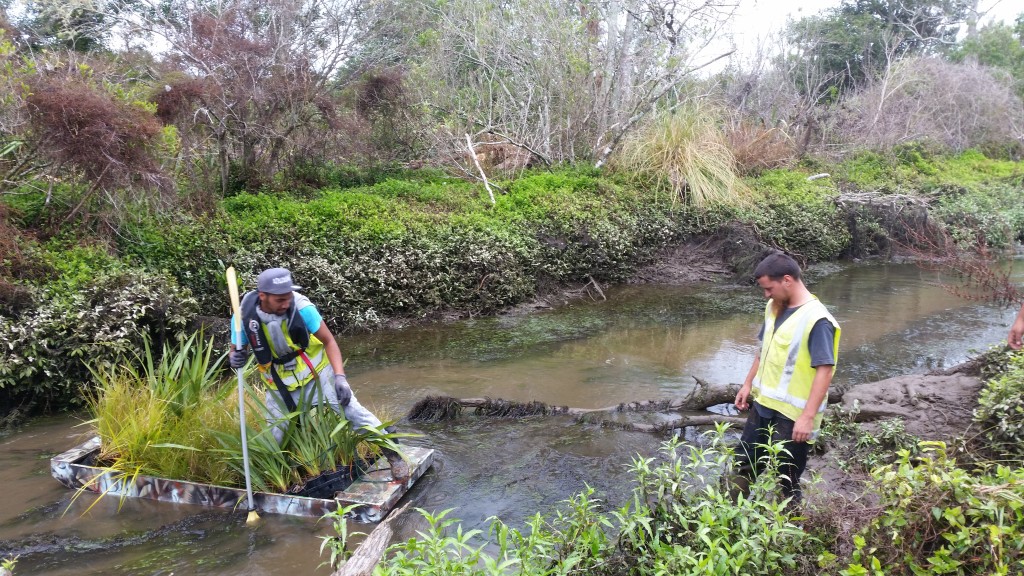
[275, 281]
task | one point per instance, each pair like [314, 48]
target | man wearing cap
[299, 359]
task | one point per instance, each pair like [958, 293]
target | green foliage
[156, 420]
[800, 216]
[95, 310]
[336, 544]
[992, 217]
[1000, 410]
[681, 521]
[856, 447]
[685, 153]
[937, 518]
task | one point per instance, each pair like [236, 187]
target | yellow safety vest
[307, 364]
[784, 376]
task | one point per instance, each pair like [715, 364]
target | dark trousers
[750, 455]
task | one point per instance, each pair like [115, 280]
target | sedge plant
[685, 152]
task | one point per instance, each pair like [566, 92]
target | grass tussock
[159, 420]
[685, 152]
[177, 417]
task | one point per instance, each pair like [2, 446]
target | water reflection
[645, 342]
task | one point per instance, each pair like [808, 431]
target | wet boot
[736, 485]
[399, 467]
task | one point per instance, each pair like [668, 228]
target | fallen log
[661, 428]
[369, 553]
[438, 408]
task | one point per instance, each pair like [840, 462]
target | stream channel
[643, 343]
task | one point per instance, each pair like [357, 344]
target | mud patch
[932, 407]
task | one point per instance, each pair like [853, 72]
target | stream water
[644, 342]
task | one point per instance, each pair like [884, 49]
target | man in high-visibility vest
[299, 359]
[787, 386]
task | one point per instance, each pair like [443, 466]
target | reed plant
[155, 415]
[685, 152]
[317, 440]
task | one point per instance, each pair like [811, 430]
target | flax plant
[156, 419]
[685, 152]
[174, 415]
[317, 440]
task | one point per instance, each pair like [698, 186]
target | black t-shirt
[820, 343]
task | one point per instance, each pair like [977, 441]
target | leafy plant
[936, 518]
[338, 544]
[1000, 409]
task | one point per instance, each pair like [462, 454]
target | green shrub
[800, 216]
[855, 447]
[1000, 410]
[991, 216]
[88, 314]
[936, 518]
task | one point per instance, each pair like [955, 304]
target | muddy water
[642, 343]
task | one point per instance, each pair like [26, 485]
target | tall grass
[176, 416]
[685, 152]
[158, 420]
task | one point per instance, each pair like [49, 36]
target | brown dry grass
[756, 148]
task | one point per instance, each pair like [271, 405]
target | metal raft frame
[374, 493]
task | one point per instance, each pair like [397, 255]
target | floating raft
[374, 493]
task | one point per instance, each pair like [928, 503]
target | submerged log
[704, 395]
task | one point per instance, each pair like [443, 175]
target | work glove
[238, 357]
[343, 390]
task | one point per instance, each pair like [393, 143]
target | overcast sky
[758, 18]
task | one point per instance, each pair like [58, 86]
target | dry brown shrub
[955, 106]
[757, 148]
[176, 96]
[108, 140]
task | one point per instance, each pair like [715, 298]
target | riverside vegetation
[410, 246]
[926, 508]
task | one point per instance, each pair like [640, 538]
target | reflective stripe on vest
[784, 376]
[308, 365]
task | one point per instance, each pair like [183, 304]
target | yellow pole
[236, 326]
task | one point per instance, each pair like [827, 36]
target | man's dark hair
[777, 265]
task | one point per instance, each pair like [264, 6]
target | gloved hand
[343, 390]
[238, 357]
